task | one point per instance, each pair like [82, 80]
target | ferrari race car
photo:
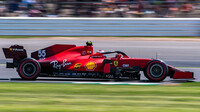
[80, 61]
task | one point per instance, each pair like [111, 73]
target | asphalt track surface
[181, 54]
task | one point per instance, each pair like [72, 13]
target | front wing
[180, 74]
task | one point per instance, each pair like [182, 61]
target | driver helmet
[89, 43]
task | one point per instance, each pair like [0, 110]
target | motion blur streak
[100, 8]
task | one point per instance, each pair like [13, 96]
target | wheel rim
[156, 70]
[29, 69]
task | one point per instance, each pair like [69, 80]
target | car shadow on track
[49, 80]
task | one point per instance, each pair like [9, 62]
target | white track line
[114, 83]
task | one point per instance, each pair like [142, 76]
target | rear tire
[156, 71]
[29, 69]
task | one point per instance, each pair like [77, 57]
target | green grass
[51, 97]
[12, 37]
[88, 36]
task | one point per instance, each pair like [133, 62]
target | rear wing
[15, 52]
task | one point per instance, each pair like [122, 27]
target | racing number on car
[41, 54]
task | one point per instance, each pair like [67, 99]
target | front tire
[156, 71]
[29, 69]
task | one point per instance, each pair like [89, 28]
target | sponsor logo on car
[90, 66]
[56, 65]
[116, 63]
[77, 66]
[125, 65]
[89, 52]
[97, 56]
[15, 49]
[83, 53]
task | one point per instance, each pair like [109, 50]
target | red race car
[80, 61]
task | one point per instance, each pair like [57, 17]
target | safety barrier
[100, 26]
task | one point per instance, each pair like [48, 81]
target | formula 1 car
[80, 61]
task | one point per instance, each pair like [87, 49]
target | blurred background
[170, 31]
[100, 8]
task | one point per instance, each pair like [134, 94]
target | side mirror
[118, 56]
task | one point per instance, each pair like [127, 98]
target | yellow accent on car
[90, 65]
[77, 66]
[116, 63]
